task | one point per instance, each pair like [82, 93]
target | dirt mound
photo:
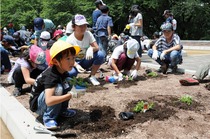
[102, 122]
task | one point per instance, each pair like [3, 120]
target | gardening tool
[43, 130]
[126, 115]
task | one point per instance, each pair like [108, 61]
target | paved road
[190, 62]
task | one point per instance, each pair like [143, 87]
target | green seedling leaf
[186, 99]
[142, 106]
[152, 74]
[78, 81]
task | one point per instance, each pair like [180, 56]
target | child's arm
[26, 75]
[51, 99]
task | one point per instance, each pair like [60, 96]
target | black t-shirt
[47, 79]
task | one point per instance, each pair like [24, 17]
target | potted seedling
[142, 106]
[79, 83]
[186, 99]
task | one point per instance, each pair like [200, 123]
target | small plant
[152, 74]
[186, 99]
[78, 81]
[129, 78]
[142, 106]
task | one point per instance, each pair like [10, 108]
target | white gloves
[80, 69]
[162, 56]
[155, 55]
[89, 53]
[120, 77]
[134, 74]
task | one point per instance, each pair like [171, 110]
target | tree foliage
[191, 15]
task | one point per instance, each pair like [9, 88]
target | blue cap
[38, 23]
[9, 39]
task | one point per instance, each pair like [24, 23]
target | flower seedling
[78, 81]
[186, 99]
[152, 74]
[129, 78]
[142, 106]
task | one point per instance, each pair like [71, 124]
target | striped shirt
[163, 45]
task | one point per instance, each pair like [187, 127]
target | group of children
[49, 64]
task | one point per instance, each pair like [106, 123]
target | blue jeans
[5, 59]
[173, 58]
[103, 45]
[51, 112]
[98, 59]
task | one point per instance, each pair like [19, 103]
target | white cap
[80, 20]
[132, 47]
[45, 35]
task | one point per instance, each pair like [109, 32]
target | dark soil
[102, 120]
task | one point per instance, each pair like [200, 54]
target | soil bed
[98, 110]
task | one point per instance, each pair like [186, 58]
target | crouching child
[51, 91]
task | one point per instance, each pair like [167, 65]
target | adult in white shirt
[89, 55]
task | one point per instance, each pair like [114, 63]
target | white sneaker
[93, 80]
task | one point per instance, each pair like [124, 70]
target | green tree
[191, 15]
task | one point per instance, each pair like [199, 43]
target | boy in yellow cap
[51, 91]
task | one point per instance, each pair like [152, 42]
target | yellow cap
[127, 26]
[59, 46]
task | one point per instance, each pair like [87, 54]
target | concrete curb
[18, 119]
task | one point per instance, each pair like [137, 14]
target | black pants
[19, 79]
[138, 40]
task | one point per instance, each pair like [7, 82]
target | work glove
[76, 94]
[89, 53]
[134, 74]
[80, 69]
[162, 56]
[155, 55]
[120, 77]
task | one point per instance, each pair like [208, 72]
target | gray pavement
[190, 62]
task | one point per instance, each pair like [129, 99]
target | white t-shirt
[20, 62]
[84, 44]
[135, 30]
[116, 53]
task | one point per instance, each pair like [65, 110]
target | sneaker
[68, 113]
[188, 82]
[17, 92]
[93, 80]
[171, 70]
[164, 67]
[50, 124]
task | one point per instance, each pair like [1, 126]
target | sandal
[68, 113]
[188, 82]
